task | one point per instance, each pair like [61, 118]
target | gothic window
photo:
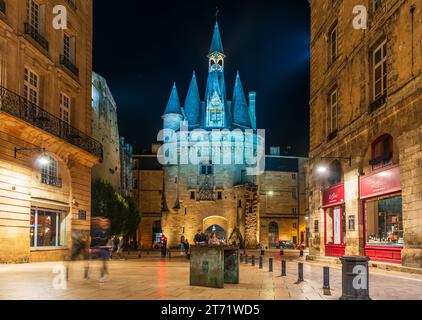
[192, 195]
[215, 115]
[219, 195]
[382, 152]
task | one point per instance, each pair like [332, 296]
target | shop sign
[380, 182]
[333, 196]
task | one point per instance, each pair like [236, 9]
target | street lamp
[323, 169]
[43, 159]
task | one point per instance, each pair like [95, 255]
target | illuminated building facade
[366, 132]
[46, 149]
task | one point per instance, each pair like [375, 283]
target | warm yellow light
[322, 169]
[43, 160]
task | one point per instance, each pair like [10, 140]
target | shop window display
[384, 222]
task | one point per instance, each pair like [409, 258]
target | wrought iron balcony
[33, 32]
[64, 61]
[21, 108]
[3, 6]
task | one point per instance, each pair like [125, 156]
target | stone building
[46, 149]
[179, 198]
[366, 105]
[282, 200]
[106, 130]
[148, 186]
[283, 204]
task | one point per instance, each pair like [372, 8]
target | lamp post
[43, 159]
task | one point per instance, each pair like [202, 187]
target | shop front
[334, 221]
[380, 193]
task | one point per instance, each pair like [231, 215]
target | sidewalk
[168, 279]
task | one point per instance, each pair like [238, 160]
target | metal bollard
[300, 272]
[253, 261]
[246, 259]
[241, 257]
[261, 262]
[326, 278]
[270, 265]
[283, 267]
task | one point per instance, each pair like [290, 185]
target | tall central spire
[216, 43]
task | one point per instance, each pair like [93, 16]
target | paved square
[152, 278]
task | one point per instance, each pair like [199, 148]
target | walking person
[182, 245]
[80, 250]
[120, 247]
[163, 246]
[186, 246]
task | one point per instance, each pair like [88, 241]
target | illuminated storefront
[334, 221]
[381, 197]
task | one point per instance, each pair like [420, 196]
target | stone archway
[220, 224]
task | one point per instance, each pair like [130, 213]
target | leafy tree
[123, 212]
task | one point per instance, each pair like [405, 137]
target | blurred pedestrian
[163, 246]
[80, 251]
[187, 246]
[182, 245]
[120, 247]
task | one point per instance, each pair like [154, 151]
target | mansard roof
[173, 105]
[240, 107]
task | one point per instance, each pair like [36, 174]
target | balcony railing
[3, 6]
[21, 108]
[64, 61]
[33, 32]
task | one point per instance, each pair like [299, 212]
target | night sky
[142, 47]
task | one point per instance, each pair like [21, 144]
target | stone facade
[374, 83]
[106, 130]
[283, 201]
[244, 210]
[51, 121]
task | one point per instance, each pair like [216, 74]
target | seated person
[214, 240]
[200, 237]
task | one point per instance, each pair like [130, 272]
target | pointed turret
[173, 105]
[216, 43]
[193, 103]
[240, 106]
[173, 115]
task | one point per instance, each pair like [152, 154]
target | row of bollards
[326, 270]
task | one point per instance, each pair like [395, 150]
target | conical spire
[240, 106]
[192, 103]
[216, 43]
[173, 106]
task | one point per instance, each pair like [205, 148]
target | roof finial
[217, 11]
